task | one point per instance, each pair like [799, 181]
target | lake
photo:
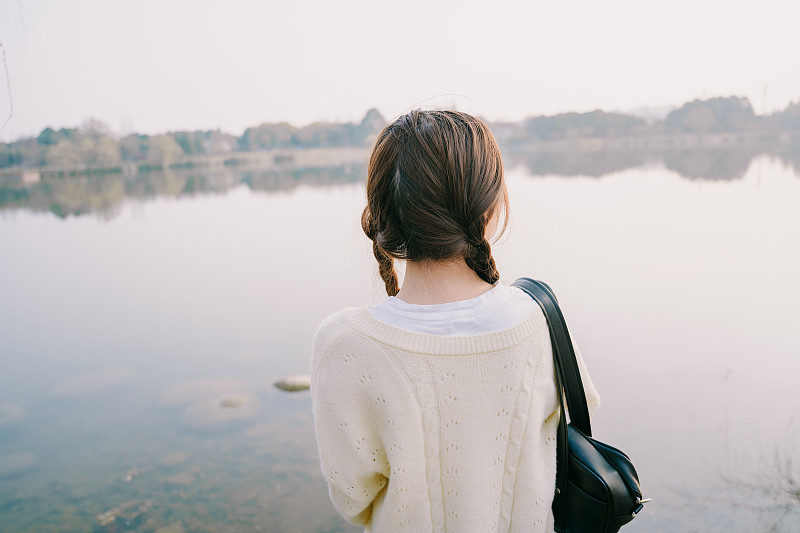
[144, 320]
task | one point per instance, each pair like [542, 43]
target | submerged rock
[127, 511]
[222, 411]
[128, 476]
[294, 383]
[10, 413]
[16, 464]
[195, 391]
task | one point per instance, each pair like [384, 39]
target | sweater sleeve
[351, 452]
[592, 396]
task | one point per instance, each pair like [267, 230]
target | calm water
[133, 309]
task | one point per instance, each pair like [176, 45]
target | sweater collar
[424, 344]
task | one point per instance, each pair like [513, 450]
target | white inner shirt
[501, 307]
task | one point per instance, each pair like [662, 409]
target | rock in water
[294, 383]
[130, 474]
[232, 401]
[127, 511]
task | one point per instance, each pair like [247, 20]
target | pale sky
[156, 65]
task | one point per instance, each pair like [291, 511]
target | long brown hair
[434, 181]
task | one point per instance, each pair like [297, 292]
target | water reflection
[707, 164]
[140, 353]
[77, 195]
[710, 164]
[791, 159]
[594, 164]
[102, 195]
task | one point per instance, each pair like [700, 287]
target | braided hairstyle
[434, 182]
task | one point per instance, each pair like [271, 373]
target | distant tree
[68, 133]
[99, 151]
[9, 155]
[29, 152]
[217, 142]
[48, 137]
[63, 154]
[325, 134]
[191, 142]
[716, 114]
[700, 119]
[789, 118]
[373, 121]
[593, 124]
[366, 131]
[134, 147]
[163, 150]
[93, 127]
[269, 136]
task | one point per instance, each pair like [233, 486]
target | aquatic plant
[764, 491]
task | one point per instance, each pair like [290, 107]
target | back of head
[434, 183]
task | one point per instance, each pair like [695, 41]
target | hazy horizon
[646, 112]
[153, 67]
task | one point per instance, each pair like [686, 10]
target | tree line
[95, 146]
[714, 115]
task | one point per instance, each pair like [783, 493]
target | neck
[438, 282]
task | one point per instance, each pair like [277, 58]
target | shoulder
[347, 361]
[334, 327]
[330, 331]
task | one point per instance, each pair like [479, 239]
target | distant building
[31, 176]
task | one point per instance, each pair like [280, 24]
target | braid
[479, 258]
[386, 267]
[482, 262]
[434, 181]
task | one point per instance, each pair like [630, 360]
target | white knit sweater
[422, 432]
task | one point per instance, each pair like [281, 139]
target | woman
[436, 410]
